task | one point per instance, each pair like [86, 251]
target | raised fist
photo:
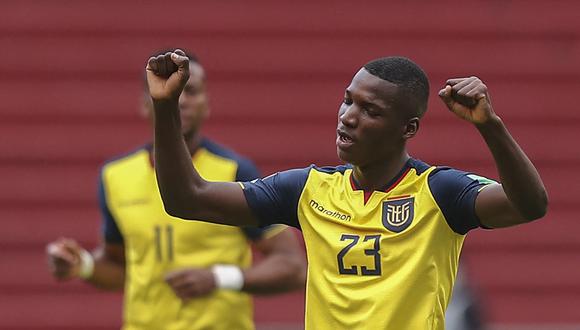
[167, 74]
[468, 99]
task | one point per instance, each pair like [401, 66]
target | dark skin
[366, 119]
[267, 277]
[109, 272]
[372, 133]
[283, 267]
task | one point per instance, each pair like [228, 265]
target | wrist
[229, 277]
[166, 104]
[86, 265]
[493, 122]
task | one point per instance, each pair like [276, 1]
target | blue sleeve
[246, 171]
[254, 233]
[274, 199]
[111, 232]
[455, 192]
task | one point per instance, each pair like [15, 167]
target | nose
[348, 115]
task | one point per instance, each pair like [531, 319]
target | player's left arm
[521, 197]
[282, 269]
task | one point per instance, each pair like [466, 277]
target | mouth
[343, 139]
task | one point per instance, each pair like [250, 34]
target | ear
[411, 128]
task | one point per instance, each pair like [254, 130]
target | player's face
[370, 127]
[193, 102]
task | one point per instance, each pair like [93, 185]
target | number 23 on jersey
[354, 242]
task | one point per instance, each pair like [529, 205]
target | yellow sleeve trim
[273, 230]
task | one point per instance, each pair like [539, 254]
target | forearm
[276, 273]
[520, 179]
[176, 175]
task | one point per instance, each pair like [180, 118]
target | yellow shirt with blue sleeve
[156, 243]
[377, 260]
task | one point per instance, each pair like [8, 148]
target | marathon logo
[334, 214]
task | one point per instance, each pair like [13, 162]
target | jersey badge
[398, 214]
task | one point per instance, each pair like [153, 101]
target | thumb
[445, 95]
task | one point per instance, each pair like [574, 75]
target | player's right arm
[103, 268]
[185, 194]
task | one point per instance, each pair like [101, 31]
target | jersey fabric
[156, 243]
[377, 260]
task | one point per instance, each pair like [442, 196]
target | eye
[347, 101]
[371, 112]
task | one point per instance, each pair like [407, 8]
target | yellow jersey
[156, 243]
[377, 260]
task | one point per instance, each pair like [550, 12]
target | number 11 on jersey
[160, 236]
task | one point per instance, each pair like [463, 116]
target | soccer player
[383, 234]
[178, 274]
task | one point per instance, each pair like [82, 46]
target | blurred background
[71, 86]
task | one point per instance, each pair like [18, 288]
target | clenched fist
[64, 258]
[468, 99]
[167, 74]
[191, 283]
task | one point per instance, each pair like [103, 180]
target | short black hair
[409, 77]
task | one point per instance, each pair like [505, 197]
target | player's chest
[357, 235]
[139, 213]
[405, 209]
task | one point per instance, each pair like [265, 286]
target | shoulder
[446, 182]
[246, 169]
[129, 157]
[340, 169]
[455, 192]
[123, 167]
[418, 165]
[222, 151]
[299, 176]
[315, 176]
[444, 176]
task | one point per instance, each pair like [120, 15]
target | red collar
[386, 188]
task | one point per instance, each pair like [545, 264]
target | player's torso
[156, 243]
[388, 263]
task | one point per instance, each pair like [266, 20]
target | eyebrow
[365, 102]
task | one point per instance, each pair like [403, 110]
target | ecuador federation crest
[398, 214]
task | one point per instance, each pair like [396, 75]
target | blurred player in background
[384, 233]
[178, 274]
[464, 311]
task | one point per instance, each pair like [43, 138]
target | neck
[376, 175]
